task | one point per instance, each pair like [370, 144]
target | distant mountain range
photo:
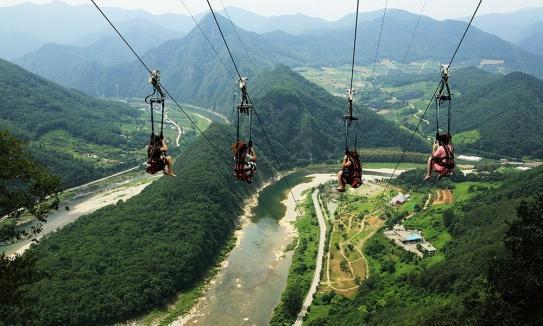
[510, 26]
[195, 74]
[26, 27]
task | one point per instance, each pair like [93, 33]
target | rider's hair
[238, 146]
[444, 139]
[353, 153]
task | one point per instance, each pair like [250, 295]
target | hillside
[510, 26]
[194, 74]
[189, 67]
[58, 22]
[506, 114]
[305, 123]
[452, 287]
[429, 44]
[53, 118]
[98, 49]
[126, 259]
[532, 39]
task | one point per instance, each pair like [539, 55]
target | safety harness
[352, 174]
[444, 95]
[155, 158]
[241, 168]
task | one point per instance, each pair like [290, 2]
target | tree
[515, 281]
[293, 300]
[26, 187]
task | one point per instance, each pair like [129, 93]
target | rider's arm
[164, 147]
[346, 162]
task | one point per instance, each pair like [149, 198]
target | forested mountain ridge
[189, 67]
[96, 50]
[50, 117]
[199, 77]
[507, 114]
[305, 123]
[128, 258]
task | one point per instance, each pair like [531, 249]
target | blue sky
[328, 9]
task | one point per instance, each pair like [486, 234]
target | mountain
[64, 126]
[33, 25]
[189, 67]
[510, 26]
[532, 39]
[105, 49]
[429, 44]
[497, 114]
[305, 123]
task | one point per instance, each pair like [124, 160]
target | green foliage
[25, 186]
[305, 123]
[515, 280]
[302, 269]
[33, 107]
[506, 112]
[127, 259]
[447, 289]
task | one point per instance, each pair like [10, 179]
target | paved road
[318, 268]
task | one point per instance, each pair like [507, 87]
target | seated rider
[245, 158]
[156, 160]
[351, 172]
[442, 159]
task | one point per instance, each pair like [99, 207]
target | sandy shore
[94, 203]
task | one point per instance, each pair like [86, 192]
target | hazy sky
[328, 9]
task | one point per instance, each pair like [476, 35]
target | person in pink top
[442, 159]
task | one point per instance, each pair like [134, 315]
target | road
[318, 268]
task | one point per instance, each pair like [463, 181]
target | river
[255, 272]
[249, 285]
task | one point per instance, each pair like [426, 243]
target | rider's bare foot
[427, 177]
[340, 189]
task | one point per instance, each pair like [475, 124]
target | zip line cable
[173, 99]
[205, 36]
[432, 99]
[251, 102]
[163, 88]
[273, 153]
[354, 43]
[376, 53]
[411, 41]
[237, 34]
[223, 38]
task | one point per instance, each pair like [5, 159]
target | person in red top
[157, 161]
[442, 159]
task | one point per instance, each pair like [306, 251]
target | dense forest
[507, 115]
[51, 117]
[490, 274]
[127, 258]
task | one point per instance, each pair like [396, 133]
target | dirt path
[178, 127]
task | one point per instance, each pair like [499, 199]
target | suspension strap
[444, 95]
